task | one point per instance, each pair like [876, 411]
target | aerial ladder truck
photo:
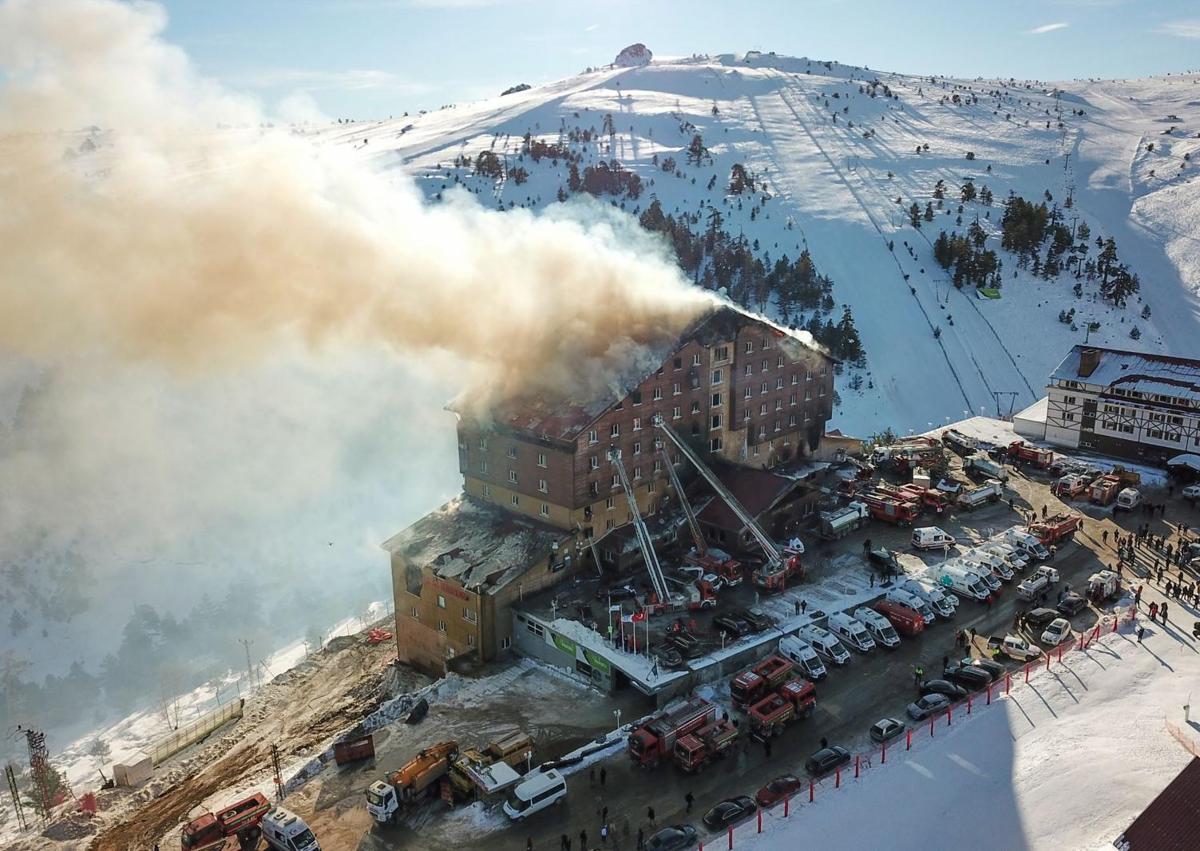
[710, 559]
[780, 565]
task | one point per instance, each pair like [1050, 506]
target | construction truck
[241, 821]
[479, 772]
[989, 491]
[891, 510]
[760, 678]
[1105, 489]
[417, 777]
[1019, 450]
[926, 497]
[981, 465]
[1129, 478]
[959, 443]
[654, 740]
[1056, 529]
[1103, 585]
[794, 699]
[696, 750]
[840, 523]
[782, 563]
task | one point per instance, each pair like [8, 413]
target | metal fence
[168, 746]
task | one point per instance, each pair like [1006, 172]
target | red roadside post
[731, 838]
[1114, 629]
[787, 805]
[1081, 641]
[856, 766]
[969, 696]
[931, 720]
[760, 820]
[1007, 682]
[811, 789]
[883, 756]
[837, 778]
[989, 697]
[908, 740]
[949, 715]
[1026, 672]
[1060, 653]
[1047, 661]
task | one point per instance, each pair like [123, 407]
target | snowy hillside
[837, 156]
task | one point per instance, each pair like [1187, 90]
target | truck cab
[851, 631]
[801, 652]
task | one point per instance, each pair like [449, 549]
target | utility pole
[249, 667]
[276, 766]
[39, 764]
[11, 776]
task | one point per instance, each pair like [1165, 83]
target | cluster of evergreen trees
[971, 262]
[605, 179]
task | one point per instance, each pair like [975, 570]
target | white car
[1191, 492]
[1057, 632]
[695, 573]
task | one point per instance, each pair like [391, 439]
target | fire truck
[795, 699]
[765, 675]
[654, 740]
[696, 750]
[889, 509]
[1056, 528]
[1019, 450]
[1105, 489]
[241, 820]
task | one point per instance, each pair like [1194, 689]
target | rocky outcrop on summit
[633, 56]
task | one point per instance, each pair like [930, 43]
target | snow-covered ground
[1067, 761]
[833, 185]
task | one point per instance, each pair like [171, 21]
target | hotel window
[441, 600]
[615, 431]
[792, 399]
[779, 383]
[483, 465]
[637, 423]
[512, 476]
[722, 353]
[749, 347]
[716, 376]
[675, 391]
[676, 412]
[714, 445]
[821, 392]
[608, 504]
[416, 615]
[795, 378]
[778, 425]
[483, 443]
[807, 395]
[762, 388]
[541, 459]
[791, 420]
[657, 466]
[679, 363]
[749, 392]
[824, 369]
[764, 365]
[609, 524]
[808, 375]
[516, 500]
[762, 409]
[695, 407]
[657, 393]
[616, 480]
[762, 431]
[716, 400]
[593, 437]
[650, 486]
[441, 626]
[512, 452]
[637, 472]
[487, 491]
[544, 510]
[748, 369]
[716, 421]
[542, 486]
[779, 404]
[779, 362]
[469, 614]
[696, 359]
[594, 462]
[637, 447]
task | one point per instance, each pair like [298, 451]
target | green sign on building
[564, 644]
[597, 662]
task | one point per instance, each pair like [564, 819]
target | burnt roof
[1172, 821]
[565, 417]
[757, 490]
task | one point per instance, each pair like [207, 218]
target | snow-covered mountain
[837, 156]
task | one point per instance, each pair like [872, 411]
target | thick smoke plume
[179, 231]
[224, 350]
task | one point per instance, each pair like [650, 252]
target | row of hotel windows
[543, 509]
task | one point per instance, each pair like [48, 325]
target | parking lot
[850, 700]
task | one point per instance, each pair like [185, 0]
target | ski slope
[835, 160]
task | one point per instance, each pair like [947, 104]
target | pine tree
[914, 215]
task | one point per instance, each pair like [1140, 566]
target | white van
[826, 644]
[1026, 544]
[286, 831]
[1008, 552]
[912, 601]
[932, 538]
[535, 793]
[798, 650]
[963, 581]
[943, 605]
[989, 561]
[851, 631]
[1128, 499]
[879, 626]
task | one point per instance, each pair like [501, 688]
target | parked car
[730, 811]
[826, 760]
[993, 668]
[943, 687]
[968, 676]
[885, 561]
[1039, 617]
[1071, 604]
[778, 789]
[621, 592]
[733, 625]
[672, 838]
[756, 617]
[670, 658]
[886, 729]
[1191, 492]
[1058, 632]
[927, 705]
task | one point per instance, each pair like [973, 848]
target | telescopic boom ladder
[693, 523]
[643, 534]
[770, 550]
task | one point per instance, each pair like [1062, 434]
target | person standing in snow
[1163, 612]
[689, 799]
[1153, 611]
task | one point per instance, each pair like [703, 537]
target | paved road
[850, 700]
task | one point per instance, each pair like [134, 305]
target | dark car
[758, 619]
[826, 760]
[1039, 617]
[886, 729]
[730, 811]
[672, 838]
[1071, 604]
[778, 789]
[670, 658]
[943, 687]
[621, 592]
[968, 676]
[885, 561]
[733, 625]
[993, 669]
[927, 705]
[688, 645]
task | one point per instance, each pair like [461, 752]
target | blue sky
[371, 58]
